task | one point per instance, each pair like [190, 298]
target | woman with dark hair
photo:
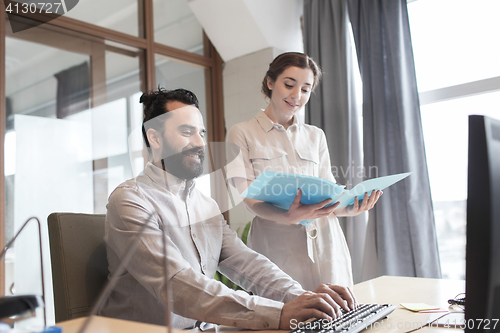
[275, 140]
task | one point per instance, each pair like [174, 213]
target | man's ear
[154, 138]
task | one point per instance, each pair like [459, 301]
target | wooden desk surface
[111, 325]
[382, 290]
[395, 290]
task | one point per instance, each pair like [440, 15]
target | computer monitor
[482, 305]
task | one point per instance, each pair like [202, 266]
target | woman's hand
[296, 213]
[301, 212]
[356, 208]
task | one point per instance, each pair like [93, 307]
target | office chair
[79, 262]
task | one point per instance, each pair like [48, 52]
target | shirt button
[194, 236]
[204, 267]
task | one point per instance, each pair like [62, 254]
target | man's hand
[341, 295]
[324, 302]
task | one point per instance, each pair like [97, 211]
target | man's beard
[180, 165]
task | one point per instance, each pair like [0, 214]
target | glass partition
[72, 105]
[69, 114]
[119, 15]
[171, 74]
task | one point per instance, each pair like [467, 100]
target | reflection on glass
[48, 163]
[445, 127]
[173, 75]
[119, 15]
[176, 26]
[123, 86]
[66, 143]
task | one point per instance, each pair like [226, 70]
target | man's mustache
[198, 151]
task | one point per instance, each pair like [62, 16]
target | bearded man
[162, 203]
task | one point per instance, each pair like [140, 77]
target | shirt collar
[165, 179]
[267, 124]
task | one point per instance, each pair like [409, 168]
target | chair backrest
[79, 262]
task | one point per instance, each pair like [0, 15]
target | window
[458, 73]
[71, 105]
[117, 15]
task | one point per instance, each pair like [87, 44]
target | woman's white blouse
[300, 149]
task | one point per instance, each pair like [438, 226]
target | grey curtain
[401, 226]
[332, 107]
[400, 237]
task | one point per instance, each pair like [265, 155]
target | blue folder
[279, 188]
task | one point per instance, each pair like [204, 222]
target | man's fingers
[354, 303]
[305, 314]
[331, 291]
[324, 302]
[308, 305]
[339, 300]
[320, 302]
[336, 306]
[320, 315]
[344, 293]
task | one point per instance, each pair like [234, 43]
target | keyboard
[350, 322]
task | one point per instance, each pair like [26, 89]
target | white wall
[240, 27]
[63, 169]
[242, 79]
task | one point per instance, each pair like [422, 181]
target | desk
[382, 290]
